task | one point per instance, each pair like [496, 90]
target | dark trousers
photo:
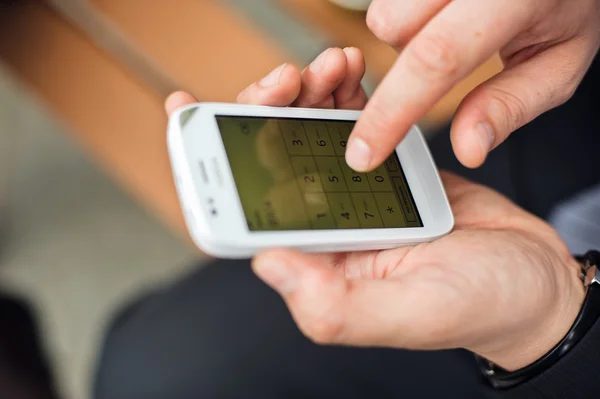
[221, 333]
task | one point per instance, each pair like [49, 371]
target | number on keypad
[335, 196]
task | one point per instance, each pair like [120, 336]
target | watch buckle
[592, 275]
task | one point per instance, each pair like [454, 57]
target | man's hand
[503, 284]
[546, 45]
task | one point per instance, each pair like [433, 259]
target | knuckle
[435, 55]
[510, 106]
[381, 23]
[380, 120]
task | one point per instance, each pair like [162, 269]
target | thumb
[331, 309]
[498, 107]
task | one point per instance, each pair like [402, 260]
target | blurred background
[88, 213]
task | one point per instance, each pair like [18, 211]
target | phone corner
[225, 253]
[447, 225]
[216, 248]
[443, 226]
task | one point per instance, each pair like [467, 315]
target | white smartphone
[251, 178]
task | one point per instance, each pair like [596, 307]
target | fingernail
[272, 78]
[485, 134]
[318, 64]
[358, 155]
[277, 274]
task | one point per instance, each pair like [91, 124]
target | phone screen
[291, 175]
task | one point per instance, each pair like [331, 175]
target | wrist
[545, 333]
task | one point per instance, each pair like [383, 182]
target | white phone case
[214, 213]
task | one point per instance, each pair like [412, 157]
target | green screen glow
[291, 175]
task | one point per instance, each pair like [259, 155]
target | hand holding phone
[470, 289]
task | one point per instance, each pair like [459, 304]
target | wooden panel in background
[120, 122]
[207, 47]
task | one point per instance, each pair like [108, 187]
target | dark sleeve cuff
[575, 376]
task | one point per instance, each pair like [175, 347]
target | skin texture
[503, 284]
[443, 41]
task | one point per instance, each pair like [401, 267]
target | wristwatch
[588, 316]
